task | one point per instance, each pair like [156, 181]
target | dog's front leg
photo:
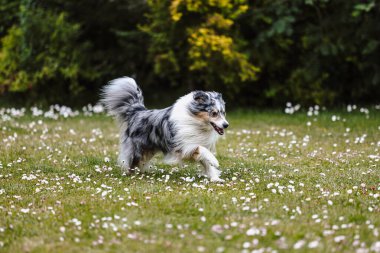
[213, 149]
[209, 162]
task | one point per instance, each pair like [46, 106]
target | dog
[187, 130]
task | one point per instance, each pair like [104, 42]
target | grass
[290, 186]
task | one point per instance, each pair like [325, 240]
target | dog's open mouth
[217, 129]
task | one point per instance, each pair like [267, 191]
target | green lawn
[290, 186]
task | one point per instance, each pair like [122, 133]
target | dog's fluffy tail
[122, 97]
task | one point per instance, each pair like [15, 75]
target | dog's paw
[147, 168]
[214, 174]
[217, 180]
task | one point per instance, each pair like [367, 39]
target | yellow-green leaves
[198, 39]
[206, 45]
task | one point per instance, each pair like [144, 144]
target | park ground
[302, 181]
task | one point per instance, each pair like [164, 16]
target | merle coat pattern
[188, 129]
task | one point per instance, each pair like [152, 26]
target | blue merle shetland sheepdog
[189, 129]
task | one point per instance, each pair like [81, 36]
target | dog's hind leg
[173, 158]
[127, 159]
[145, 165]
[209, 162]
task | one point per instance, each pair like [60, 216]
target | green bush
[40, 54]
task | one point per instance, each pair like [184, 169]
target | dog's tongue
[219, 130]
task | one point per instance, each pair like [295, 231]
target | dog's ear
[220, 97]
[201, 97]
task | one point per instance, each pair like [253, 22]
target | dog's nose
[225, 124]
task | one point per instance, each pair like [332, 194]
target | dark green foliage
[39, 54]
[64, 51]
[8, 15]
[324, 52]
[307, 51]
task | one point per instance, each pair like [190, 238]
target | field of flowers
[303, 180]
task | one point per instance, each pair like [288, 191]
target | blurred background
[260, 53]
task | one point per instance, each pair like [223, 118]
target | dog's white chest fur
[191, 133]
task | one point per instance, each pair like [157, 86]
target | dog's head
[209, 108]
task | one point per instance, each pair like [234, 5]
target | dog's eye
[214, 114]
